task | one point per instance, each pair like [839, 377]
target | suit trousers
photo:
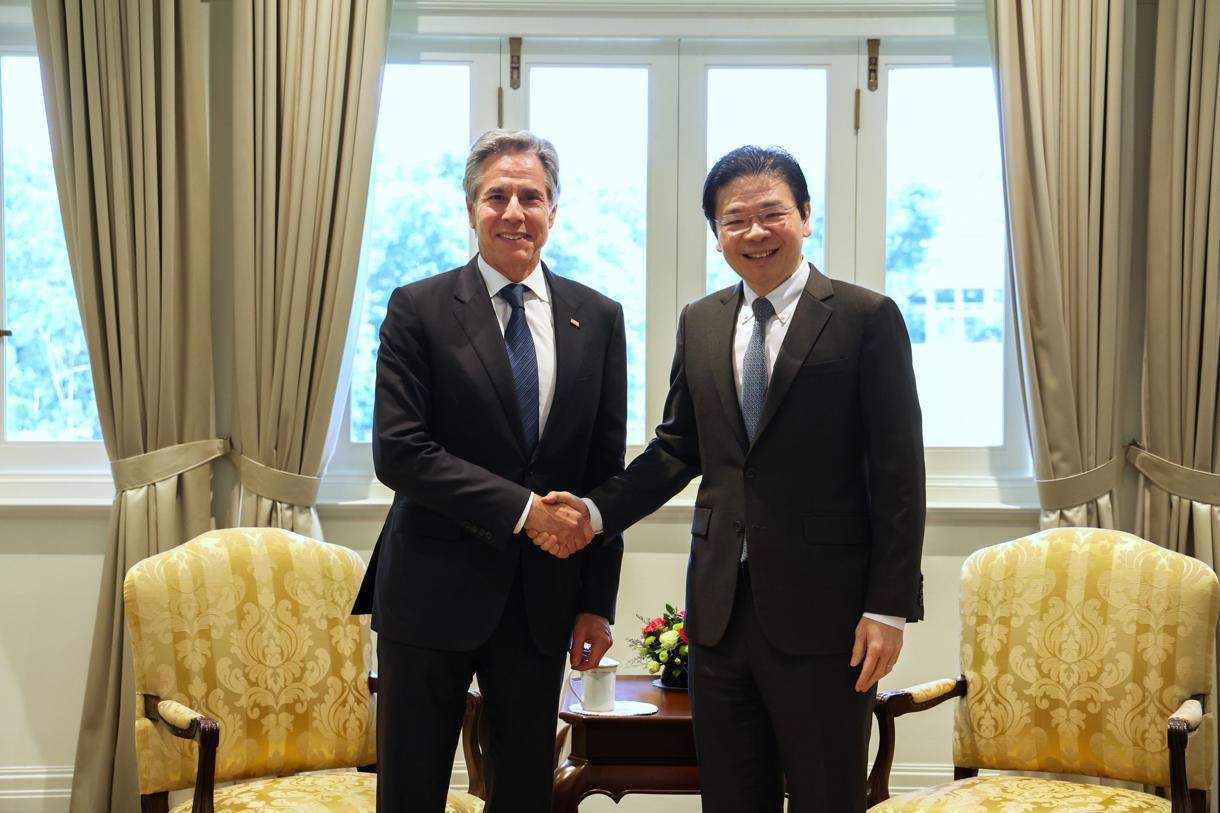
[421, 701]
[763, 717]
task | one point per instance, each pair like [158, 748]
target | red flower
[654, 625]
[682, 632]
[682, 613]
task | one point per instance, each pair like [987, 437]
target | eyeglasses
[767, 218]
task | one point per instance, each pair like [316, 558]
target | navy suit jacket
[447, 439]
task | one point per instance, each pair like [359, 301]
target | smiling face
[763, 256]
[511, 214]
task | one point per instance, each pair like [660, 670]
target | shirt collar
[783, 298]
[494, 280]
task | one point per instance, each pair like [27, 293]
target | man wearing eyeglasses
[794, 396]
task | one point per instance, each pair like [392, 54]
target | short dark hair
[752, 160]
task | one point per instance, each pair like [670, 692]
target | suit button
[738, 525]
[750, 472]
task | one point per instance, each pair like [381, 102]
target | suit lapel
[720, 346]
[569, 349]
[812, 314]
[474, 313]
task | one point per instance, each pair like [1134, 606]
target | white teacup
[597, 686]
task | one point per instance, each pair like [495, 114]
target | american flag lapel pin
[574, 323]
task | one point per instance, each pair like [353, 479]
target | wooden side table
[620, 755]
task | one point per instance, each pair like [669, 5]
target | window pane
[48, 389]
[417, 224]
[945, 244]
[734, 97]
[600, 233]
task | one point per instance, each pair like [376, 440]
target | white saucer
[622, 708]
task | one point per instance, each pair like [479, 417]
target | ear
[550, 218]
[470, 214]
[806, 226]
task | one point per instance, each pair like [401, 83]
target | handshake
[559, 523]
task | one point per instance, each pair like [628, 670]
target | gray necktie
[754, 371]
[755, 374]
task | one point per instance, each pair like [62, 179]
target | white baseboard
[35, 788]
[46, 788]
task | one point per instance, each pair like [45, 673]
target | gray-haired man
[476, 365]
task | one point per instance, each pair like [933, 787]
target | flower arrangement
[662, 646]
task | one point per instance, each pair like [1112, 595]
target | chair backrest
[1077, 645]
[252, 627]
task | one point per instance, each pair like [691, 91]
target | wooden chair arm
[891, 705]
[472, 746]
[190, 725]
[1182, 723]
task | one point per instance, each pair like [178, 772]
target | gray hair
[496, 142]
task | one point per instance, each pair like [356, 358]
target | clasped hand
[559, 523]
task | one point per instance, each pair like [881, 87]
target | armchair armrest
[472, 745]
[891, 705]
[189, 724]
[1182, 723]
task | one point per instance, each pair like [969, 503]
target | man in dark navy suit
[496, 382]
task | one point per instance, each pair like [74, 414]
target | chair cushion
[1009, 794]
[348, 792]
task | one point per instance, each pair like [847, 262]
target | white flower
[670, 639]
[653, 667]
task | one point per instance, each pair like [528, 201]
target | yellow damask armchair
[248, 665]
[1084, 652]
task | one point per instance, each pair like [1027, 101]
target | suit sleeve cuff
[595, 516]
[897, 622]
[529, 503]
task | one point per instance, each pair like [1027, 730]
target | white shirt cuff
[595, 516]
[895, 621]
[529, 503]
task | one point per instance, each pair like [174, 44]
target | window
[416, 224]
[48, 390]
[944, 241]
[601, 231]
[898, 205]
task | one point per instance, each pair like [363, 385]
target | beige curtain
[307, 81]
[1065, 118]
[124, 87]
[1179, 461]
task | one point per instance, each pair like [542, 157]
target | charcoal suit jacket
[830, 494]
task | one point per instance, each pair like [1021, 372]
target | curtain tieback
[1058, 493]
[276, 484]
[1195, 485]
[161, 464]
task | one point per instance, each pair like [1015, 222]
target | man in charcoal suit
[496, 382]
[794, 396]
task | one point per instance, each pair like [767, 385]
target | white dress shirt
[541, 323]
[784, 299]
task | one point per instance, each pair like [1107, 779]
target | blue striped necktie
[524, 361]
